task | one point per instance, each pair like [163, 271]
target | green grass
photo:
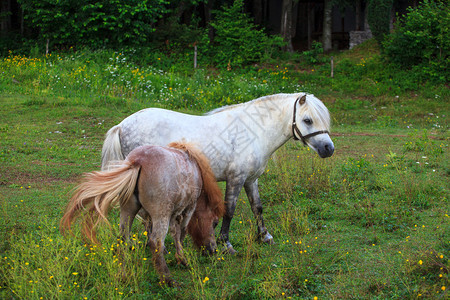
[370, 222]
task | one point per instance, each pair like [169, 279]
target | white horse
[238, 140]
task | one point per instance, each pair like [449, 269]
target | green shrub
[93, 23]
[312, 56]
[174, 36]
[420, 41]
[237, 41]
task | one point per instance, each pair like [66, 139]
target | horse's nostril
[329, 148]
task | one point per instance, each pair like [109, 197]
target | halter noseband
[296, 130]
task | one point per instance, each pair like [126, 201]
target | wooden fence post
[332, 67]
[195, 56]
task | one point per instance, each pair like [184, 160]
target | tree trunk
[5, 16]
[258, 11]
[286, 24]
[180, 10]
[22, 24]
[309, 23]
[294, 18]
[327, 22]
[358, 15]
[366, 13]
[208, 10]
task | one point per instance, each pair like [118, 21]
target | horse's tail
[210, 187]
[112, 151]
[97, 193]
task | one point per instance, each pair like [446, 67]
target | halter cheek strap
[295, 129]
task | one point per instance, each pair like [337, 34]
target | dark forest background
[233, 33]
[118, 23]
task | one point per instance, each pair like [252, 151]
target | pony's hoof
[169, 282]
[229, 249]
[174, 284]
[182, 261]
[267, 239]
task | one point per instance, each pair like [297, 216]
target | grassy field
[371, 222]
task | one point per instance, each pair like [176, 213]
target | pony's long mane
[210, 187]
[234, 106]
[210, 199]
[313, 107]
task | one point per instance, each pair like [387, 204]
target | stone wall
[357, 37]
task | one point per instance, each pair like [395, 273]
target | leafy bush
[312, 56]
[237, 40]
[93, 23]
[176, 36]
[420, 41]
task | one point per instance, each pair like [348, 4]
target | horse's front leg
[252, 191]
[233, 189]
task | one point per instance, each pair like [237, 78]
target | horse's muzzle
[210, 249]
[325, 150]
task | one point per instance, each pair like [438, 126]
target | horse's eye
[307, 121]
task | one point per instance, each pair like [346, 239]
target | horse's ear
[302, 100]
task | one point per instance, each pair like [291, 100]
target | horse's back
[152, 116]
[157, 126]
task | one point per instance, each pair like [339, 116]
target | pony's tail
[93, 198]
[210, 187]
[112, 150]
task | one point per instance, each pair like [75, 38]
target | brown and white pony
[173, 185]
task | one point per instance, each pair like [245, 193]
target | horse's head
[202, 224]
[311, 124]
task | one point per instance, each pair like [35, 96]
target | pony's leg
[232, 191]
[255, 202]
[128, 211]
[146, 220]
[156, 244]
[177, 234]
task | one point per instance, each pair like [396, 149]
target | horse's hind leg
[178, 235]
[156, 244]
[128, 211]
[255, 202]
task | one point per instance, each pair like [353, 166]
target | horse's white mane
[315, 108]
[260, 99]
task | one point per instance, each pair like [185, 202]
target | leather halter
[296, 130]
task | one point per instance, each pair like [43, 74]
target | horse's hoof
[229, 249]
[181, 261]
[169, 282]
[267, 239]
[174, 284]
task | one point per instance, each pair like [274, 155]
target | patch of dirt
[50, 163]
[367, 134]
[379, 134]
[12, 176]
